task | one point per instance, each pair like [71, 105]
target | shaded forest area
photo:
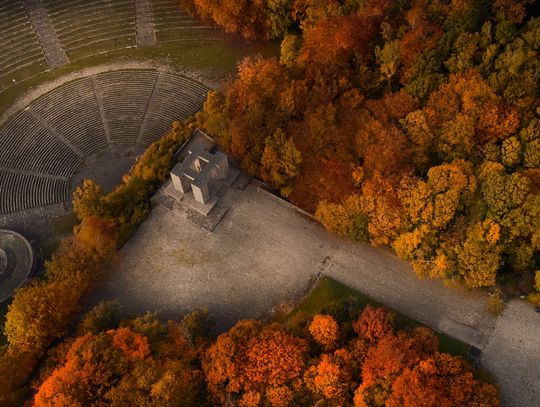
[43, 312]
[353, 357]
[412, 124]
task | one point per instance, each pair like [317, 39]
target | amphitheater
[49, 146]
[40, 35]
[45, 143]
[87, 124]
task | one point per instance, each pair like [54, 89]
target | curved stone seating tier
[176, 98]
[20, 46]
[17, 262]
[71, 30]
[125, 96]
[44, 145]
[22, 191]
[20, 60]
[173, 24]
[99, 24]
[95, 30]
[24, 137]
[73, 111]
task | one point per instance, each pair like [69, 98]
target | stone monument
[197, 170]
[204, 183]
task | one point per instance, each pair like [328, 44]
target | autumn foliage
[440, 380]
[373, 324]
[117, 367]
[143, 361]
[252, 361]
[408, 124]
[324, 330]
[43, 310]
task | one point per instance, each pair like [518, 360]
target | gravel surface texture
[265, 252]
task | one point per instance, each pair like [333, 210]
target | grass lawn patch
[326, 292]
[217, 58]
[329, 293]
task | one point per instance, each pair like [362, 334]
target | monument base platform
[206, 216]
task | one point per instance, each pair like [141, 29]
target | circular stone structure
[17, 262]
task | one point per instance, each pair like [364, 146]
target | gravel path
[265, 252]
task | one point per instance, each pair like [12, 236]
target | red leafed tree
[392, 106]
[92, 366]
[338, 40]
[441, 380]
[244, 17]
[373, 324]
[387, 360]
[394, 353]
[133, 345]
[421, 37]
[250, 360]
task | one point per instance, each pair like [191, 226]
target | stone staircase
[48, 39]
[146, 35]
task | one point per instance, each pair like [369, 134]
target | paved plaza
[265, 252]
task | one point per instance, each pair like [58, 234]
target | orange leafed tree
[441, 380]
[85, 375]
[394, 353]
[249, 360]
[324, 330]
[134, 346]
[338, 40]
[273, 358]
[332, 377]
[117, 368]
[386, 360]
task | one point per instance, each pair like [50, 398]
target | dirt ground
[264, 252]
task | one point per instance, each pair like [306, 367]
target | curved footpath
[265, 251]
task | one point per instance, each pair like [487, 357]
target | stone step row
[27, 145]
[55, 133]
[20, 191]
[39, 18]
[73, 112]
[20, 44]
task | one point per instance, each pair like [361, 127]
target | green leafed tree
[281, 161]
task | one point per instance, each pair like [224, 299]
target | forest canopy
[412, 124]
[320, 360]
